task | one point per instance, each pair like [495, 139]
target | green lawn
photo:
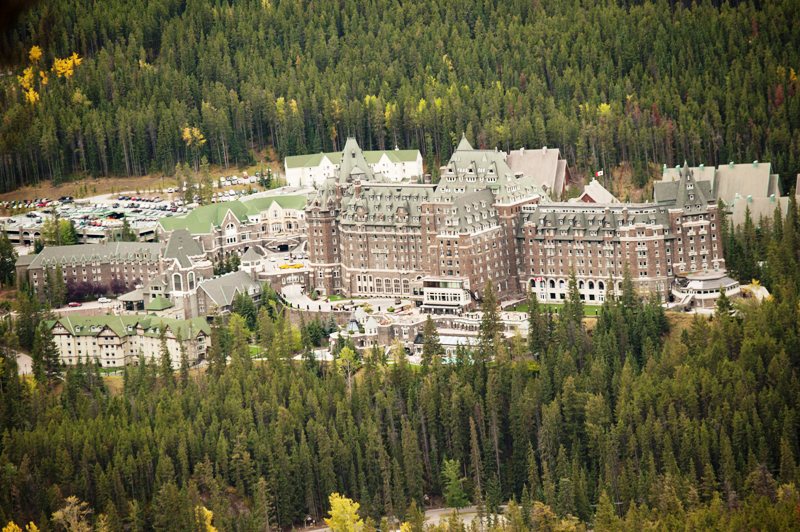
[336, 297]
[255, 350]
[588, 310]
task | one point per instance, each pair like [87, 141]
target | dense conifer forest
[607, 82]
[635, 424]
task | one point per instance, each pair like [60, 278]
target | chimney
[357, 189]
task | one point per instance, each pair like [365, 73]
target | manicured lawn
[337, 297]
[255, 350]
[588, 310]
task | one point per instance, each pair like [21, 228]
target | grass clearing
[81, 187]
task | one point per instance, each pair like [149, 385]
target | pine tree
[217, 354]
[165, 360]
[454, 496]
[490, 327]
[412, 461]
[537, 331]
[184, 369]
[28, 317]
[45, 356]
[8, 261]
[431, 347]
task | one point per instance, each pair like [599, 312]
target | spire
[464, 145]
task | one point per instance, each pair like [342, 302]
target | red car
[74, 304]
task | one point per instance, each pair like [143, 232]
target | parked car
[74, 304]
[103, 300]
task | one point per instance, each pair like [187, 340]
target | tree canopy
[127, 88]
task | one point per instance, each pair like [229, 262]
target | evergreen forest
[128, 88]
[642, 421]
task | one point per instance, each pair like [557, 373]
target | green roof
[158, 303]
[203, 219]
[126, 325]
[372, 157]
[300, 161]
[257, 205]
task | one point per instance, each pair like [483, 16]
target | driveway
[294, 295]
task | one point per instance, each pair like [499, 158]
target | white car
[103, 300]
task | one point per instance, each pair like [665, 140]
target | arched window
[397, 286]
[591, 285]
[580, 285]
[379, 285]
[230, 233]
[388, 286]
[561, 284]
[191, 280]
[601, 285]
[533, 283]
[406, 286]
[177, 282]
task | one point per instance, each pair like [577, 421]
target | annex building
[222, 229]
[440, 244]
[312, 170]
[117, 341]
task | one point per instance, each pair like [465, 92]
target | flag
[598, 173]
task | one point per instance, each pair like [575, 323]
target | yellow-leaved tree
[344, 514]
[64, 68]
[35, 54]
[203, 519]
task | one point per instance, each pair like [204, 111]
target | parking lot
[96, 218]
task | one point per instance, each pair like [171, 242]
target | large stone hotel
[491, 218]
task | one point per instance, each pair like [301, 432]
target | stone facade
[116, 341]
[115, 266]
[483, 222]
[223, 229]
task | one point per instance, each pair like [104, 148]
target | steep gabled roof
[463, 144]
[258, 205]
[353, 161]
[224, 288]
[251, 255]
[127, 325]
[102, 253]
[181, 246]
